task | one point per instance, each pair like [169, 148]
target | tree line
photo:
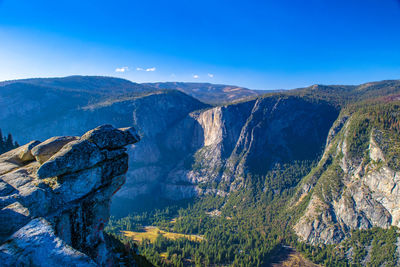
[7, 143]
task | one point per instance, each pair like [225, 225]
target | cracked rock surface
[55, 198]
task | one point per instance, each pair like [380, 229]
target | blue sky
[257, 44]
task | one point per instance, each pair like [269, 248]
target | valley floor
[151, 233]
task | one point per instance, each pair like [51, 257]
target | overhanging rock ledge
[55, 198]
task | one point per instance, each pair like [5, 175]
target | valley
[233, 182]
[199, 133]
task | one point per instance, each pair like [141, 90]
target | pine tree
[7, 144]
[1, 142]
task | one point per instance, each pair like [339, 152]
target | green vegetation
[330, 184]
[249, 230]
[384, 119]
[250, 227]
[251, 234]
[373, 247]
[358, 137]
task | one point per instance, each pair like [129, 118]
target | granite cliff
[223, 145]
[356, 184]
[55, 198]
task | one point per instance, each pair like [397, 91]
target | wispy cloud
[148, 69]
[196, 76]
[210, 75]
[123, 69]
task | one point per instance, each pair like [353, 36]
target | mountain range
[328, 154]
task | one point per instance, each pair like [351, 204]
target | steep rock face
[154, 116]
[232, 141]
[54, 209]
[77, 111]
[356, 184]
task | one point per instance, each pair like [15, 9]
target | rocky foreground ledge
[55, 198]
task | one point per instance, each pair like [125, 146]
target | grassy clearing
[151, 233]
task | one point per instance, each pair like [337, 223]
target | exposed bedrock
[55, 198]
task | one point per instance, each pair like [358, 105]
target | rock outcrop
[356, 184]
[55, 198]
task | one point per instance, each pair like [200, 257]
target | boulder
[74, 156]
[48, 148]
[21, 154]
[106, 136]
[53, 210]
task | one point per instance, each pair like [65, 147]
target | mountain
[86, 84]
[356, 184]
[310, 168]
[51, 110]
[291, 169]
[188, 148]
[343, 95]
[222, 145]
[214, 94]
[40, 112]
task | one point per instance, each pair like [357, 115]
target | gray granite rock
[75, 156]
[53, 210]
[367, 191]
[37, 245]
[106, 136]
[21, 154]
[48, 148]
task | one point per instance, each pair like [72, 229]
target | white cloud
[196, 76]
[210, 75]
[123, 69]
[148, 69]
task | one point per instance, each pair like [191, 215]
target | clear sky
[257, 44]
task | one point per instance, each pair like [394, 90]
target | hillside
[308, 200]
[343, 95]
[214, 94]
[355, 185]
[282, 168]
[88, 84]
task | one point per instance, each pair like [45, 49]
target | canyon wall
[356, 184]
